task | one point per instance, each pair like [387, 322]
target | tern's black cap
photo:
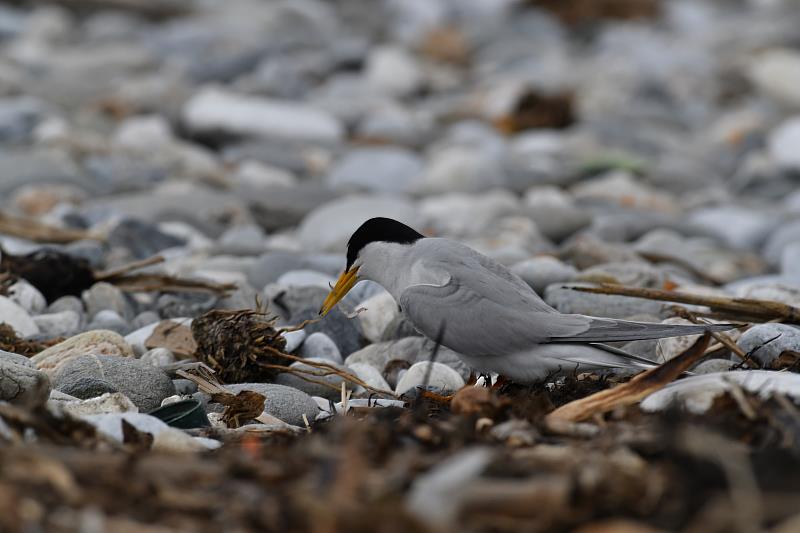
[379, 229]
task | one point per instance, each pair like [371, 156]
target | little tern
[484, 312]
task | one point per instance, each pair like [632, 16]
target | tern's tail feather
[609, 330]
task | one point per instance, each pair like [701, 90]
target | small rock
[459, 215]
[158, 357]
[776, 72]
[15, 316]
[440, 377]
[735, 226]
[539, 272]
[315, 389]
[712, 366]
[110, 320]
[569, 301]
[320, 346]
[304, 278]
[621, 188]
[378, 169]
[217, 110]
[381, 310]
[184, 387]
[697, 393]
[294, 339]
[766, 342]
[60, 324]
[106, 403]
[66, 303]
[27, 296]
[462, 169]
[143, 384]
[104, 296]
[328, 227]
[369, 375]
[165, 438]
[142, 239]
[22, 385]
[285, 403]
[17, 359]
[394, 71]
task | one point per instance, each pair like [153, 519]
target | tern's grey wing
[609, 330]
[481, 313]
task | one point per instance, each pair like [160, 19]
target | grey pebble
[84, 376]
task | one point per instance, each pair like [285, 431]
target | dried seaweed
[239, 345]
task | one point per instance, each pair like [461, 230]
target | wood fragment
[742, 309]
[33, 230]
[633, 391]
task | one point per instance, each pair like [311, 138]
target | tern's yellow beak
[343, 285]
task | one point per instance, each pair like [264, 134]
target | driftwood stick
[31, 229]
[739, 308]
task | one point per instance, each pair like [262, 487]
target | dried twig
[32, 229]
[719, 336]
[633, 391]
[737, 308]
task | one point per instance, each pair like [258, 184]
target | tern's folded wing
[484, 317]
[609, 330]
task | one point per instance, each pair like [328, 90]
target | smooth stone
[539, 272]
[537, 158]
[178, 305]
[294, 339]
[214, 110]
[776, 73]
[27, 296]
[15, 316]
[766, 342]
[59, 324]
[735, 226]
[165, 438]
[304, 278]
[142, 239]
[286, 403]
[104, 296]
[315, 389]
[106, 403]
[790, 262]
[258, 174]
[621, 188]
[378, 169]
[158, 357]
[184, 387]
[566, 300]
[697, 393]
[144, 385]
[712, 366]
[66, 303]
[110, 320]
[243, 239]
[380, 311]
[440, 378]
[393, 71]
[328, 227]
[783, 144]
[629, 273]
[461, 169]
[369, 375]
[459, 215]
[554, 212]
[23, 385]
[773, 288]
[411, 349]
[320, 346]
[399, 328]
[149, 132]
[271, 266]
[17, 359]
[19, 116]
[783, 236]
[145, 318]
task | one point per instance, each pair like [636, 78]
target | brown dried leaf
[174, 336]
